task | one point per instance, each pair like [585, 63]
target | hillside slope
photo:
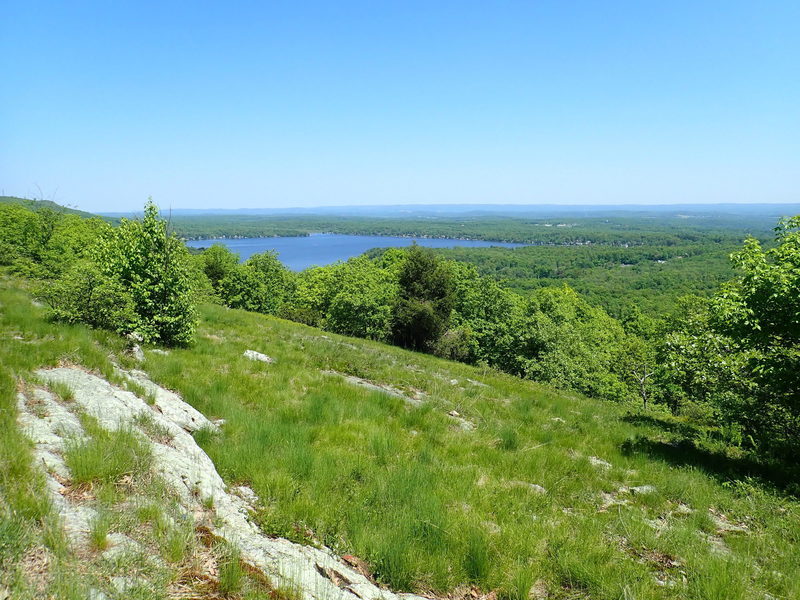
[436, 475]
[37, 204]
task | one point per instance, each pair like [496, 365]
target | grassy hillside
[480, 479]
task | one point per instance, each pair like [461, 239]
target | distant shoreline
[386, 235]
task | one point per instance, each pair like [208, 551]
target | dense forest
[726, 364]
[649, 277]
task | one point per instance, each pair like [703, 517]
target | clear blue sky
[263, 104]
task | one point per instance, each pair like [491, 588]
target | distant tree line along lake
[301, 252]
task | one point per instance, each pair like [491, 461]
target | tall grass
[107, 456]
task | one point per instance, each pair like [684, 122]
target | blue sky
[268, 104]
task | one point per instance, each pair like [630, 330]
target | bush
[457, 344]
[85, 295]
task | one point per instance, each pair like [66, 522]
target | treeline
[618, 231]
[729, 363]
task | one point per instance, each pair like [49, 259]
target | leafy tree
[638, 362]
[362, 301]
[700, 365]
[638, 367]
[352, 298]
[245, 287]
[485, 315]
[760, 311]
[218, 262]
[313, 294]
[565, 341]
[152, 265]
[425, 300]
[202, 288]
[279, 280]
[262, 284]
[43, 243]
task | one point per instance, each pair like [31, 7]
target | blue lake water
[299, 253]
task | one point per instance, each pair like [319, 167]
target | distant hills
[509, 210]
[36, 204]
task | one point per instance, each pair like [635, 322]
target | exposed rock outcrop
[258, 356]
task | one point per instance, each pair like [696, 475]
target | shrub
[244, 287]
[85, 295]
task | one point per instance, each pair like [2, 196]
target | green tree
[563, 340]
[279, 280]
[218, 262]
[760, 311]
[484, 319]
[638, 362]
[699, 365]
[152, 265]
[245, 287]
[425, 300]
[361, 304]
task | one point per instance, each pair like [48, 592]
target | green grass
[107, 456]
[62, 390]
[431, 507]
[98, 531]
[231, 573]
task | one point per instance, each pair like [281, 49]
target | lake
[301, 252]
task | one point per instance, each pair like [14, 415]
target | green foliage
[153, 267]
[218, 262]
[278, 280]
[486, 315]
[762, 305]
[352, 298]
[738, 353]
[44, 242]
[245, 287]
[361, 303]
[135, 277]
[262, 284]
[85, 294]
[566, 342]
[757, 318]
[425, 300]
